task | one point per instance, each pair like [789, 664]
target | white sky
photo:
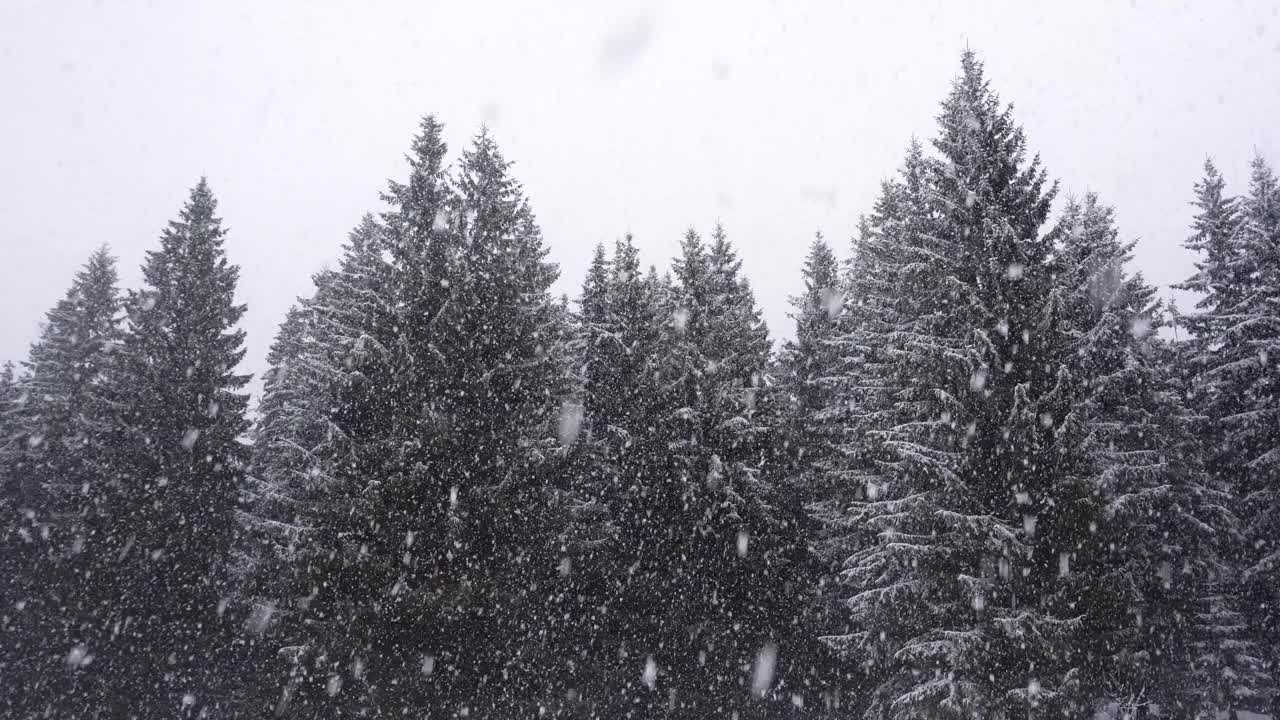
[778, 119]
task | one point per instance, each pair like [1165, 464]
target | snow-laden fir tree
[1246, 369]
[708, 553]
[325, 343]
[863, 348]
[22, 634]
[1174, 639]
[618, 340]
[281, 444]
[66, 418]
[1220, 274]
[302, 495]
[65, 426]
[809, 376]
[616, 346]
[161, 537]
[1235, 339]
[426, 575]
[973, 597]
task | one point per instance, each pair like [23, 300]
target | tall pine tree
[1246, 369]
[972, 599]
[162, 537]
[65, 427]
[423, 582]
[1171, 533]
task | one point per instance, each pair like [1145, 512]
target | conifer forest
[990, 472]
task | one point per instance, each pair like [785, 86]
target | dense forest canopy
[990, 473]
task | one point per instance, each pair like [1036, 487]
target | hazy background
[778, 119]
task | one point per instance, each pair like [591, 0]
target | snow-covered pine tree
[1236, 334]
[325, 343]
[863, 343]
[1215, 239]
[1171, 533]
[320, 407]
[971, 600]
[707, 555]
[616, 346]
[813, 421]
[429, 572]
[268, 504]
[866, 341]
[618, 342]
[23, 635]
[65, 427]
[162, 537]
[66, 418]
[813, 383]
[1246, 368]
[863, 396]
[501, 391]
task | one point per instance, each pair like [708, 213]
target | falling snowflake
[762, 675]
[78, 657]
[570, 422]
[680, 319]
[260, 617]
[650, 674]
[1140, 328]
[832, 302]
[978, 380]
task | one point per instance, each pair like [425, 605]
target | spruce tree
[65, 418]
[22, 634]
[1246, 369]
[813, 421]
[972, 598]
[64, 427]
[1215, 239]
[326, 343]
[162, 536]
[1234, 340]
[424, 578]
[709, 556]
[1171, 532]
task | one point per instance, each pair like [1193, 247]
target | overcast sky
[778, 119]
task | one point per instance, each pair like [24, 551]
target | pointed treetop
[983, 156]
[821, 268]
[626, 256]
[417, 204]
[597, 277]
[1262, 184]
[201, 205]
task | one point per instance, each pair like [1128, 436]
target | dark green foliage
[978, 482]
[162, 531]
[59, 421]
[1237, 338]
[691, 563]
[970, 598]
[1171, 534]
[428, 554]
